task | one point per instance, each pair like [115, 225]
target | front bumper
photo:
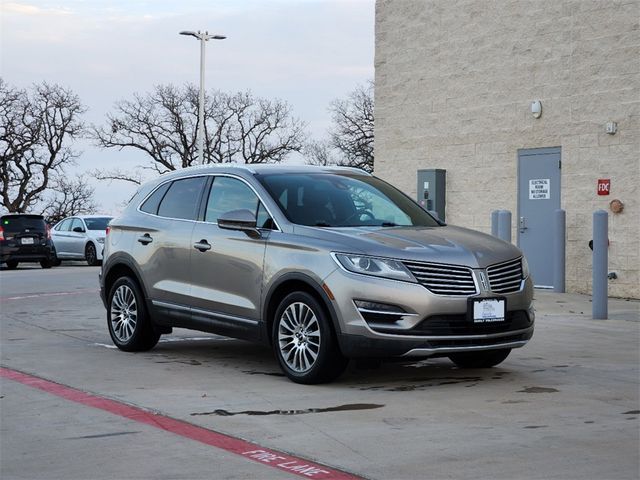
[434, 325]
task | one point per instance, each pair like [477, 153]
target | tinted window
[229, 194]
[63, 226]
[181, 200]
[153, 202]
[332, 200]
[20, 223]
[97, 223]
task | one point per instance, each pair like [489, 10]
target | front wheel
[485, 359]
[129, 323]
[90, 255]
[12, 265]
[304, 341]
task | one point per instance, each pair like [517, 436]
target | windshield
[97, 223]
[343, 200]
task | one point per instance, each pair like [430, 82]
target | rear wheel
[486, 359]
[304, 341]
[12, 265]
[90, 254]
[129, 323]
[45, 263]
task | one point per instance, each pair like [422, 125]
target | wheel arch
[289, 283]
[122, 266]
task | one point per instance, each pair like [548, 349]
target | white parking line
[52, 294]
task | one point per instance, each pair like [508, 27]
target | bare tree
[69, 197]
[164, 124]
[36, 127]
[351, 135]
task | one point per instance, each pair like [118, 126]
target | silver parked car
[324, 264]
[80, 238]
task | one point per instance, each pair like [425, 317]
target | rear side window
[20, 223]
[181, 200]
[152, 203]
[63, 226]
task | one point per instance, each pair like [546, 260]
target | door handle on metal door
[145, 239]
[202, 245]
[523, 225]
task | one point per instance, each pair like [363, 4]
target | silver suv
[324, 264]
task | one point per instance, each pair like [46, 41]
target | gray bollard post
[494, 223]
[504, 225]
[559, 244]
[600, 292]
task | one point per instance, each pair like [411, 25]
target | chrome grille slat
[451, 280]
[505, 277]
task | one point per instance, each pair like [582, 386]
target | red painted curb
[272, 458]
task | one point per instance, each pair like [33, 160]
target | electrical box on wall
[432, 184]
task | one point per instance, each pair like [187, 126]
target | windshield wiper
[322, 224]
[388, 224]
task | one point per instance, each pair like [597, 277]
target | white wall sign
[540, 189]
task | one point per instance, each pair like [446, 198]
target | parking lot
[202, 406]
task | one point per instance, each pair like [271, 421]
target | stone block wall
[454, 82]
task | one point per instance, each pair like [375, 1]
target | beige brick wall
[454, 82]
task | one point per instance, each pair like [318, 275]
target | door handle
[145, 239]
[523, 225]
[202, 245]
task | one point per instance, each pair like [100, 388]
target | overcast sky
[305, 52]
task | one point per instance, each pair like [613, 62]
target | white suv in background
[80, 238]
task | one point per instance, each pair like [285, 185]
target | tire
[304, 341]
[45, 263]
[90, 255]
[12, 265]
[485, 359]
[127, 318]
[55, 261]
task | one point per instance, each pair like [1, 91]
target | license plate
[488, 310]
[27, 241]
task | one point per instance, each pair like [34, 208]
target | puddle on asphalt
[631, 412]
[536, 426]
[436, 382]
[256, 372]
[339, 408]
[538, 390]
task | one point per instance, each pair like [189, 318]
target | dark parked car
[324, 264]
[25, 238]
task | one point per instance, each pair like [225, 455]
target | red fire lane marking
[273, 458]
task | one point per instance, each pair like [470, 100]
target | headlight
[100, 239]
[525, 268]
[378, 267]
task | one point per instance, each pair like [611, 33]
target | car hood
[448, 244]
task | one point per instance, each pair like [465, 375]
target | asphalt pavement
[202, 406]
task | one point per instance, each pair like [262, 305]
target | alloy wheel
[124, 313]
[299, 337]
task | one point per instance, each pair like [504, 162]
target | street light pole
[203, 37]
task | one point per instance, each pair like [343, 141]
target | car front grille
[505, 277]
[441, 279]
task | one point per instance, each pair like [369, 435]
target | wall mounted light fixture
[536, 108]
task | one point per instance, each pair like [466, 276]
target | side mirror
[78, 229]
[243, 220]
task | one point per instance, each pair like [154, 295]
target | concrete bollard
[559, 250]
[494, 223]
[600, 292]
[504, 225]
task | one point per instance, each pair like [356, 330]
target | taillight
[107, 230]
[1, 233]
[48, 232]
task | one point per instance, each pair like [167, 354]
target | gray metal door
[538, 198]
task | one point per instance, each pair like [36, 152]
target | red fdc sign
[604, 186]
